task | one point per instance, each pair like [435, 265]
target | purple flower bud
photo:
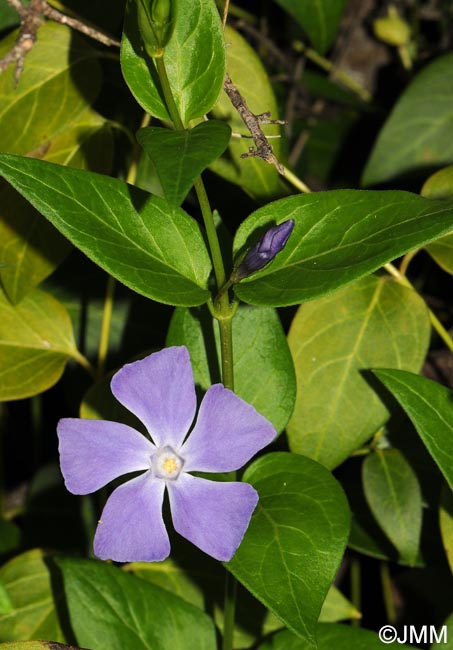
[271, 243]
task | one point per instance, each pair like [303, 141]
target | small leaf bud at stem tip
[155, 22]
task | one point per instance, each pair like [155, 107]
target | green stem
[435, 322]
[337, 73]
[223, 312]
[295, 181]
[386, 583]
[105, 327]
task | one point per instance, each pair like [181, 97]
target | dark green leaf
[440, 186]
[446, 522]
[179, 157]
[340, 637]
[393, 494]
[194, 58]
[263, 369]
[419, 132]
[255, 176]
[36, 341]
[430, 407]
[38, 645]
[339, 236]
[9, 536]
[27, 581]
[152, 248]
[333, 340]
[111, 609]
[295, 541]
[318, 18]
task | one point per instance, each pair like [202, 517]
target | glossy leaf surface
[36, 341]
[339, 236]
[110, 609]
[334, 340]
[418, 134]
[393, 494]
[154, 249]
[194, 59]
[295, 541]
[179, 157]
[429, 405]
[440, 186]
[263, 369]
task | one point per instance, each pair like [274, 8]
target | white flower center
[166, 463]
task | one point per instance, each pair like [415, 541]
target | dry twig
[31, 18]
[253, 123]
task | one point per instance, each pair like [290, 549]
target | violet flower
[160, 391]
[271, 243]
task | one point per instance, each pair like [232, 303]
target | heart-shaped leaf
[338, 236]
[295, 541]
[179, 157]
[138, 238]
[430, 407]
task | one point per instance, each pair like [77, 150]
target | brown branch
[95, 34]
[253, 123]
[31, 19]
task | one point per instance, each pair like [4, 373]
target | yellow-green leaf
[36, 340]
[440, 186]
[373, 323]
[446, 522]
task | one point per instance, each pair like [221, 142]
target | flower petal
[131, 528]
[94, 452]
[228, 432]
[212, 515]
[160, 391]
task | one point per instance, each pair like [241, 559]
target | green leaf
[440, 186]
[61, 79]
[194, 59]
[27, 581]
[333, 340]
[295, 541]
[255, 176]
[154, 249]
[340, 637]
[36, 341]
[8, 16]
[338, 236]
[179, 157]
[445, 643]
[263, 369]
[337, 607]
[446, 522]
[393, 493]
[419, 131]
[429, 405]
[111, 609]
[9, 536]
[38, 645]
[318, 18]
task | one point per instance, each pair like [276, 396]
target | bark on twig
[31, 18]
[253, 123]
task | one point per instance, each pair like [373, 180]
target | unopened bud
[155, 22]
[271, 243]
